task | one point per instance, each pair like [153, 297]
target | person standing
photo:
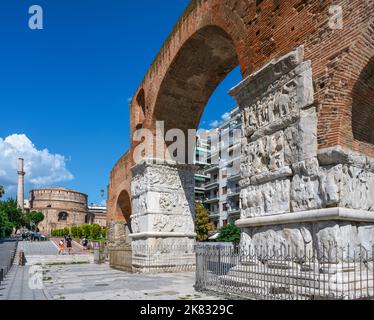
[61, 247]
[84, 243]
[69, 244]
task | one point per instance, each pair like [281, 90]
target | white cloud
[42, 168]
[225, 116]
[216, 123]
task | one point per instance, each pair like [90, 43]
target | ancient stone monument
[293, 194]
[61, 208]
[163, 201]
[307, 163]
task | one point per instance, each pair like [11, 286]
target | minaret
[20, 192]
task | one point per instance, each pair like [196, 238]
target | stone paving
[100, 282]
[7, 246]
[75, 277]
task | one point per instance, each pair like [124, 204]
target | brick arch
[140, 111]
[201, 64]
[259, 31]
[345, 101]
[363, 105]
[124, 206]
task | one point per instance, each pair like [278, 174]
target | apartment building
[217, 182]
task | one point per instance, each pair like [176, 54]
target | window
[62, 216]
[231, 153]
[224, 206]
[224, 174]
[224, 222]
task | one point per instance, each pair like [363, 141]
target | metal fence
[285, 274]
[163, 258]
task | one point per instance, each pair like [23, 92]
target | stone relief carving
[357, 188]
[265, 154]
[180, 223]
[161, 177]
[288, 239]
[139, 204]
[270, 108]
[135, 225]
[268, 198]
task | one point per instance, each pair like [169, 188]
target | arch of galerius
[307, 167]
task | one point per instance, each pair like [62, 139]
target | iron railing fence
[163, 258]
[285, 273]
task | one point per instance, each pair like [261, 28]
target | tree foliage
[1, 191]
[89, 231]
[202, 224]
[229, 233]
[36, 217]
[12, 217]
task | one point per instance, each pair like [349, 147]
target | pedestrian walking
[69, 244]
[84, 243]
[61, 247]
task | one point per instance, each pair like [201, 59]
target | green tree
[85, 230]
[35, 217]
[74, 231]
[103, 232]
[202, 224]
[6, 227]
[66, 231]
[1, 191]
[95, 231]
[229, 233]
[14, 214]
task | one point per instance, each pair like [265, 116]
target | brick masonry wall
[251, 33]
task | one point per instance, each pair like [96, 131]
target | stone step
[265, 288]
[315, 280]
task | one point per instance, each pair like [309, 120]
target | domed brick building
[61, 208]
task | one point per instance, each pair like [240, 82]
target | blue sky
[66, 87]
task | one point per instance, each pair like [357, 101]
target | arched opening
[124, 208]
[140, 109]
[199, 67]
[62, 216]
[196, 79]
[363, 105]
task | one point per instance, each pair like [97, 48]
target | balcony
[234, 177]
[199, 188]
[212, 167]
[233, 211]
[201, 174]
[214, 214]
[212, 199]
[211, 184]
[233, 192]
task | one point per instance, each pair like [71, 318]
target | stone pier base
[295, 196]
[163, 217]
[163, 254]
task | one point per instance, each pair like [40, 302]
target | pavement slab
[47, 276]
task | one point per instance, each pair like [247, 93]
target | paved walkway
[37, 248]
[74, 277]
[26, 282]
[6, 249]
[100, 282]
[76, 247]
[17, 284]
